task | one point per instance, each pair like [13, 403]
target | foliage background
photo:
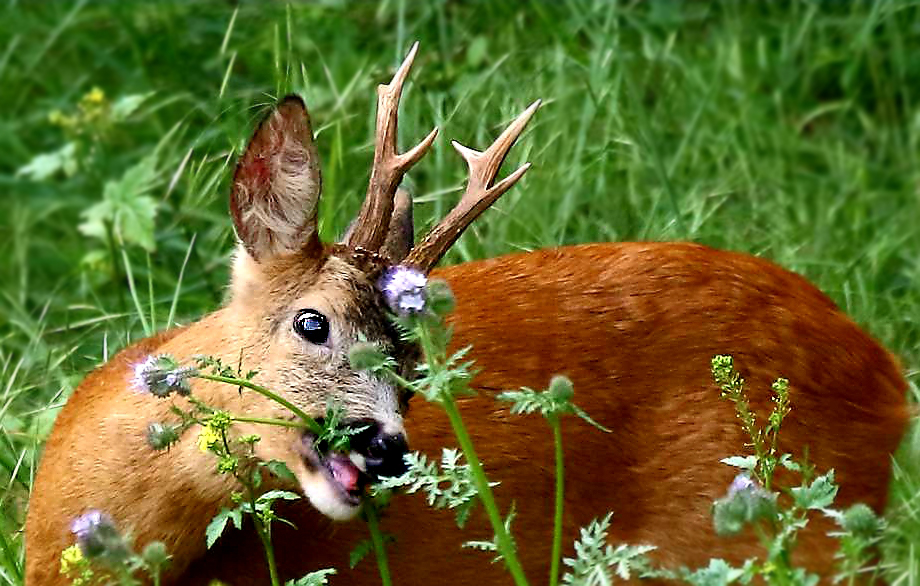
[788, 130]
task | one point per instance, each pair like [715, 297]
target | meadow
[789, 130]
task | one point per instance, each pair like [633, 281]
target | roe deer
[634, 325]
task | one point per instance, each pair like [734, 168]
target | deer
[634, 325]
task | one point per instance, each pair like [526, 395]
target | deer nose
[383, 452]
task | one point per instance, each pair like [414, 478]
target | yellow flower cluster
[75, 566]
[208, 438]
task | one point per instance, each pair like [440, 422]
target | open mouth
[346, 473]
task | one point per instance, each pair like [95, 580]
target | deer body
[634, 325]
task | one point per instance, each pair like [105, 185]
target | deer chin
[334, 482]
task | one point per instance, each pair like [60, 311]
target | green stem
[373, 523]
[239, 382]
[267, 546]
[269, 421]
[503, 539]
[264, 536]
[560, 492]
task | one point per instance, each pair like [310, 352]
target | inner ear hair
[277, 185]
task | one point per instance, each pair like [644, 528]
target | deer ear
[401, 232]
[277, 184]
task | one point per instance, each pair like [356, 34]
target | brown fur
[633, 325]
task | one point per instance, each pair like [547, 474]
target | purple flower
[742, 482]
[161, 376]
[97, 536]
[404, 289]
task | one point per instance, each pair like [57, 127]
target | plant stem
[373, 523]
[264, 536]
[268, 421]
[239, 382]
[560, 492]
[503, 539]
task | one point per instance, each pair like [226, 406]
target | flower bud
[160, 436]
[440, 298]
[366, 356]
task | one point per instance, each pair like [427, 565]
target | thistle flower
[97, 537]
[742, 482]
[162, 376]
[404, 289]
[746, 502]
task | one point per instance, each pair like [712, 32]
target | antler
[479, 194]
[370, 228]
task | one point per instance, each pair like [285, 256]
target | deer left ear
[277, 184]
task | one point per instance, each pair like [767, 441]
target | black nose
[383, 452]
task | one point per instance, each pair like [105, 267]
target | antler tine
[479, 195]
[389, 165]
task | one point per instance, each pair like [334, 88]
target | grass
[788, 130]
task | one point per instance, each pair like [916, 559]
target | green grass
[788, 130]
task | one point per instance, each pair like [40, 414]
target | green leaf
[45, 165]
[280, 470]
[743, 462]
[477, 51]
[819, 494]
[219, 523]
[126, 105]
[597, 562]
[359, 552]
[317, 578]
[274, 495]
[126, 207]
[717, 573]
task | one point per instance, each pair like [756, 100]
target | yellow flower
[76, 567]
[208, 438]
[95, 96]
[71, 559]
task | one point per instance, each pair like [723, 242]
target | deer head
[306, 303]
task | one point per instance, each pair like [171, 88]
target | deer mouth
[344, 472]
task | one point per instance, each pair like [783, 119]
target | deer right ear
[276, 186]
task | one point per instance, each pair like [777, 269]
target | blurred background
[786, 129]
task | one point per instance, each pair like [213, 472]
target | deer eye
[312, 326]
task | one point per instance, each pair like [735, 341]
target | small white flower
[404, 289]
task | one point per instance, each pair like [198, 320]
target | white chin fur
[326, 498]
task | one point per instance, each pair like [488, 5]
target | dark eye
[312, 326]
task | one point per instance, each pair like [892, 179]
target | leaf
[743, 462]
[596, 561]
[317, 578]
[280, 470]
[219, 523]
[717, 573]
[477, 51]
[126, 105]
[126, 207]
[359, 552]
[45, 165]
[819, 494]
[274, 495]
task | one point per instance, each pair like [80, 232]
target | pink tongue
[344, 472]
